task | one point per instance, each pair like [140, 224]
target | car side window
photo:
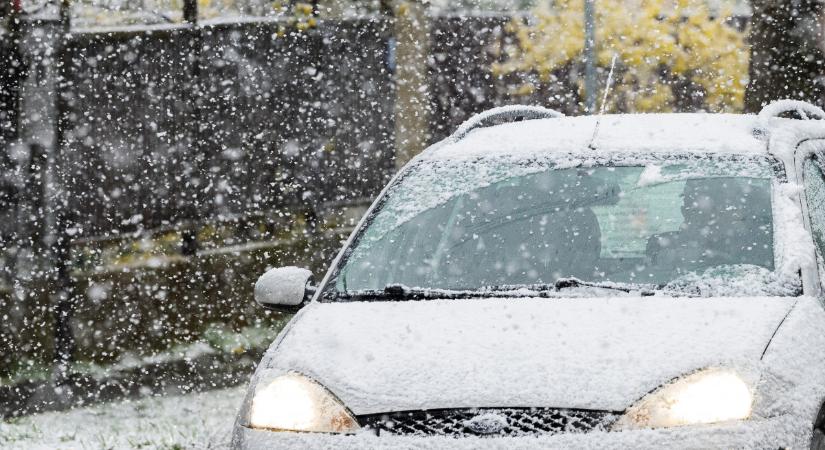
[814, 181]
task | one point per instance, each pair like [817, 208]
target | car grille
[490, 422]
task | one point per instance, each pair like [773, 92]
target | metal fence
[461, 80]
[183, 126]
[186, 123]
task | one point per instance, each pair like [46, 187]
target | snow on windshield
[504, 222]
[432, 182]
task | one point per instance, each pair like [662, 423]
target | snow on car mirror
[284, 288]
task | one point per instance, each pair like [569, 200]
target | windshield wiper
[644, 290]
[399, 292]
[572, 282]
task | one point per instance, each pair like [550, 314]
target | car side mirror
[284, 289]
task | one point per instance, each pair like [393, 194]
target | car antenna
[591, 145]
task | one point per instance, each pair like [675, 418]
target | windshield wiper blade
[645, 290]
[398, 292]
[402, 292]
[572, 282]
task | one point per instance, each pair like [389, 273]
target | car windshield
[487, 225]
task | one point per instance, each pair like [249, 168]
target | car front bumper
[774, 433]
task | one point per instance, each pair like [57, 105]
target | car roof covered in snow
[705, 133]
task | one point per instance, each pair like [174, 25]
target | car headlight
[708, 396]
[293, 402]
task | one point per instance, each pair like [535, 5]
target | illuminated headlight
[293, 402]
[708, 396]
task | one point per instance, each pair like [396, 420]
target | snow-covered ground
[195, 421]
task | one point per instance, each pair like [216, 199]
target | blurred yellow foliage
[662, 46]
[303, 8]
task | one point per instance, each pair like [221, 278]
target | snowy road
[194, 421]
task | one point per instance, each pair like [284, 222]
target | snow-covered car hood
[594, 353]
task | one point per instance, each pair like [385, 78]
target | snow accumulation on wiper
[398, 292]
[401, 292]
[642, 289]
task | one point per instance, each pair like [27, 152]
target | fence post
[192, 87]
[56, 238]
[412, 104]
[190, 11]
[12, 73]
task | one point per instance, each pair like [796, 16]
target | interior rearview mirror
[284, 288]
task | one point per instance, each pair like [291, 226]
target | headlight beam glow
[293, 402]
[708, 396]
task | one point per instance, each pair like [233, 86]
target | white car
[643, 281]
